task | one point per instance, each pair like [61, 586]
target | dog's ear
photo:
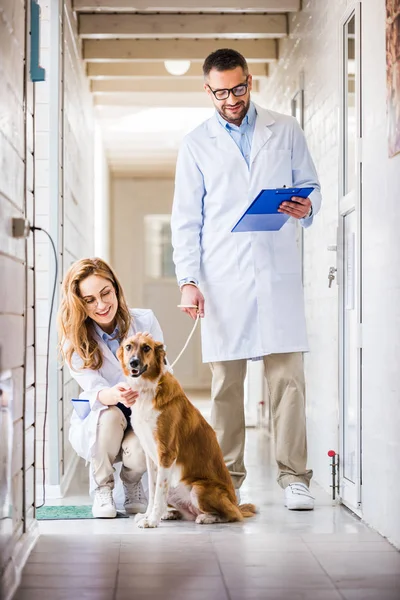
[120, 356]
[165, 354]
[159, 350]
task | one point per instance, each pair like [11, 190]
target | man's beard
[239, 116]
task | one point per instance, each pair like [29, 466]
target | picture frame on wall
[393, 75]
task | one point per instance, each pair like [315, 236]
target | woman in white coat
[93, 318]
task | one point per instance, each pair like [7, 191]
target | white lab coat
[251, 281]
[82, 433]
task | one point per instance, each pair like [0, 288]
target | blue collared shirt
[242, 134]
[113, 344]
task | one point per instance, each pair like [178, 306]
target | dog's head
[141, 356]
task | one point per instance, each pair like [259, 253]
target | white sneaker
[103, 504]
[135, 499]
[298, 497]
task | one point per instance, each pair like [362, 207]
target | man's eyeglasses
[237, 91]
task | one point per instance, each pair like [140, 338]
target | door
[349, 263]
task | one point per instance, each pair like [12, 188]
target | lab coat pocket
[285, 254]
[219, 258]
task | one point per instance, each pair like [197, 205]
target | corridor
[99, 100]
[325, 554]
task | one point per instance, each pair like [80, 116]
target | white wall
[381, 297]
[313, 47]
[78, 198]
[44, 257]
[65, 180]
[102, 238]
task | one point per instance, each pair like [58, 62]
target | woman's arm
[120, 393]
[97, 389]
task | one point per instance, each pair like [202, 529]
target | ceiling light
[177, 67]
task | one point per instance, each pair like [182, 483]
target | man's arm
[187, 215]
[186, 224]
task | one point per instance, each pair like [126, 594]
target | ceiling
[143, 110]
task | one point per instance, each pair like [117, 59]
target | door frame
[349, 492]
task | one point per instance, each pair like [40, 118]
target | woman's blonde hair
[75, 327]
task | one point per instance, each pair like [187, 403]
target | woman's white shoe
[298, 497]
[135, 499]
[103, 504]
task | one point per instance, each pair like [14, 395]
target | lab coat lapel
[105, 350]
[262, 132]
[224, 142]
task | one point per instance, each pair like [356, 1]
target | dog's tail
[247, 510]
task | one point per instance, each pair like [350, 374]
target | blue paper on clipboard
[82, 407]
[263, 215]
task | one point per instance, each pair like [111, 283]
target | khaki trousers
[284, 374]
[116, 442]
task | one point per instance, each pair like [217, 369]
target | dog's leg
[215, 504]
[152, 478]
[160, 499]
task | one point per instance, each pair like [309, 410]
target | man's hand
[192, 295]
[297, 207]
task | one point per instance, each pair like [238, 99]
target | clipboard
[263, 215]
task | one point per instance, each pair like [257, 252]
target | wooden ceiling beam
[226, 26]
[275, 6]
[110, 70]
[193, 50]
[162, 85]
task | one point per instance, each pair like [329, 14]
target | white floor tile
[325, 554]
[371, 594]
[284, 594]
[64, 594]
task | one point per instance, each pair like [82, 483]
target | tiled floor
[279, 555]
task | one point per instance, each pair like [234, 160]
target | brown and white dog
[185, 465]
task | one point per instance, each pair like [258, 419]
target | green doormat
[61, 513]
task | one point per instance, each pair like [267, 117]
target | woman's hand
[118, 393]
[127, 395]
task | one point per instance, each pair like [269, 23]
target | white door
[349, 263]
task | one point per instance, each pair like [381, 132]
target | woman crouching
[93, 318]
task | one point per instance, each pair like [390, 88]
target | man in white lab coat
[247, 286]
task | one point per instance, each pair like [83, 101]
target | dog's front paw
[148, 523]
